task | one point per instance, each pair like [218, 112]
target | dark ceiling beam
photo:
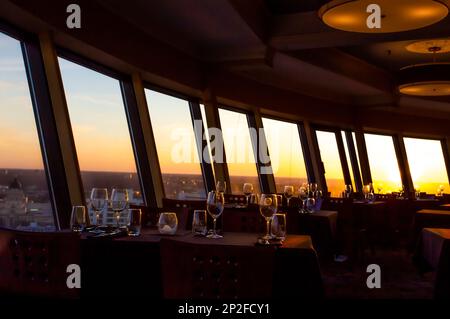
[109, 33]
[255, 14]
[348, 66]
[305, 30]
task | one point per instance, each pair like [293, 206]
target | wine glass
[214, 205]
[99, 200]
[248, 190]
[310, 204]
[288, 192]
[268, 207]
[303, 195]
[348, 190]
[119, 202]
[379, 188]
[221, 186]
[79, 219]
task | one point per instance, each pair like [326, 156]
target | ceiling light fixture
[430, 46]
[432, 79]
[396, 15]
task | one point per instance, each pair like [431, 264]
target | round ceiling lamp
[395, 15]
[431, 79]
[430, 46]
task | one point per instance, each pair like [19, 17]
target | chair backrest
[243, 220]
[235, 199]
[35, 264]
[206, 271]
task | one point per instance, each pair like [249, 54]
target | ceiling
[283, 43]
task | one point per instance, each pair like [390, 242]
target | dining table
[433, 254]
[124, 265]
[430, 218]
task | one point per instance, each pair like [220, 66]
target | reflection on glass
[176, 145]
[101, 133]
[383, 163]
[286, 155]
[24, 197]
[239, 151]
[427, 165]
[329, 154]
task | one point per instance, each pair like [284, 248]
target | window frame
[341, 150]
[303, 142]
[132, 116]
[195, 112]
[264, 183]
[45, 126]
[444, 149]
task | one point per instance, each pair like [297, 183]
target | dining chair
[208, 271]
[35, 264]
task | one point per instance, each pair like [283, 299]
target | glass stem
[267, 228]
[214, 229]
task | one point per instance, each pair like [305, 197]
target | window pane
[286, 155]
[383, 163]
[427, 164]
[175, 142]
[24, 196]
[238, 150]
[329, 154]
[100, 130]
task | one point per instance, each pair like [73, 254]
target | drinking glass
[99, 200]
[313, 187]
[379, 188]
[79, 219]
[215, 204]
[168, 223]
[288, 193]
[248, 190]
[417, 193]
[119, 202]
[278, 226]
[221, 186]
[348, 191]
[268, 207]
[310, 204]
[303, 195]
[199, 223]
[135, 222]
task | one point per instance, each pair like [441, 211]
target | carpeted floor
[399, 278]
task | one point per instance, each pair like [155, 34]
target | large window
[176, 145]
[238, 150]
[427, 164]
[329, 153]
[24, 196]
[100, 130]
[383, 163]
[286, 155]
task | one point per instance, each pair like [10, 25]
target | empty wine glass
[379, 188]
[79, 219]
[268, 207]
[248, 190]
[221, 186]
[99, 200]
[302, 195]
[278, 227]
[348, 191]
[288, 193]
[119, 202]
[310, 204]
[215, 204]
